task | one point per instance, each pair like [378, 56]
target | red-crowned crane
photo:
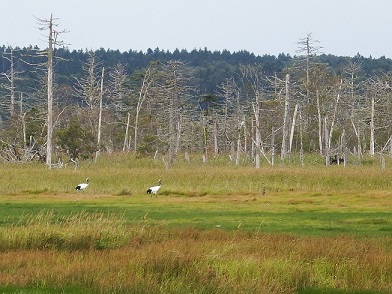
[154, 189]
[83, 186]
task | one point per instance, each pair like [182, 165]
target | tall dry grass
[193, 261]
[77, 231]
[129, 175]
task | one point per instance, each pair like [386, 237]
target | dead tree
[169, 106]
[334, 114]
[252, 87]
[11, 76]
[256, 105]
[308, 49]
[285, 138]
[379, 89]
[100, 116]
[148, 79]
[293, 124]
[351, 69]
[50, 25]
[120, 95]
[229, 92]
[89, 87]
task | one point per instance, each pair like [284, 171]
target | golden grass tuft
[77, 231]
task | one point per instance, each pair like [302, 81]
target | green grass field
[214, 228]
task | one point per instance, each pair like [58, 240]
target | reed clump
[78, 231]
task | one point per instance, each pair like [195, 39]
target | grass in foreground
[160, 260]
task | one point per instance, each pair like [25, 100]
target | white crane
[83, 186]
[154, 189]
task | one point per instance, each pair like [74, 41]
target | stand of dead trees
[253, 118]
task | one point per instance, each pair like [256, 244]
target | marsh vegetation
[214, 228]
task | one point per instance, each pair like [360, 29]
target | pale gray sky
[343, 27]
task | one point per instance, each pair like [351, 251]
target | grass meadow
[214, 227]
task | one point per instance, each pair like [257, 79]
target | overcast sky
[342, 27]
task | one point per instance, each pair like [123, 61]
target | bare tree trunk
[390, 146]
[100, 117]
[216, 146]
[301, 149]
[11, 79]
[50, 97]
[253, 139]
[320, 123]
[205, 139]
[178, 135]
[126, 138]
[293, 127]
[256, 112]
[12, 102]
[344, 148]
[327, 146]
[334, 116]
[371, 150]
[22, 117]
[357, 134]
[238, 155]
[245, 148]
[283, 153]
[273, 146]
[147, 80]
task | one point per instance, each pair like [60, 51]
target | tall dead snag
[335, 111]
[374, 89]
[252, 87]
[256, 112]
[355, 101]
[50, 25]
[10, 75]
[320, 122]
[379, 90]
[372, 117]
[293, 123]
[50, 96]
[209, 123]
[148, 78]
[89, 87]
[284, 150]
[308, 49]
[327, 149]
[127, 139]
[120, 98]
[170, 106]
[301, 149]
[309, 83]
[229, 92]
[100, 116]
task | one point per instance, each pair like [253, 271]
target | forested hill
[210, 67]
